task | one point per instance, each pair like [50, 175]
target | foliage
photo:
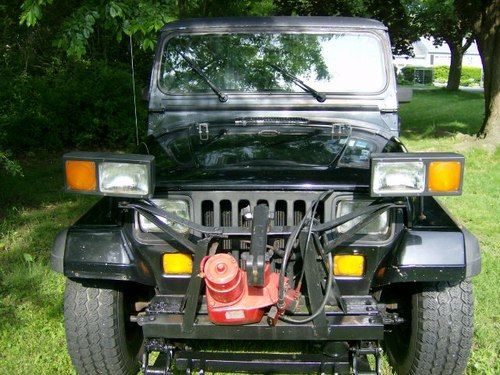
[415, 74]
[439, 19]
[8, 165]
[406, 75]
[141, 19]
[82, 106]
[115, 18]
[392, 12]
[471, 76]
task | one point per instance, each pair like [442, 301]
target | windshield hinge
[203, 131]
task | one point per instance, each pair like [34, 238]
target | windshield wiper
[319, 96]
[222, 97]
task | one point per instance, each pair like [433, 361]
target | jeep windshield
[336, 62]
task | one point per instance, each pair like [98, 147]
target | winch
[230, 299]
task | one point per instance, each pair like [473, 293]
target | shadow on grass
[440, 113]
[33, 208]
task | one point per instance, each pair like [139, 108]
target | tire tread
[445, 329]
[94, 331]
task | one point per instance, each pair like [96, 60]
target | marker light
[348, 265]
[121, 175]
[414, 174]
[444, 176]
[81, 175]
[177, 264]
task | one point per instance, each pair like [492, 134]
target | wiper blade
[222, 97]
[319, 96]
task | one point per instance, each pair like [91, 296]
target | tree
[139, 18]
[439, 19]
[391, 12]
[91, 23]
[485, 16]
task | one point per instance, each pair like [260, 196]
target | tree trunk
[488, 43]
[455, 67]
[182, 7]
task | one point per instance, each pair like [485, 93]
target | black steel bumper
[339, 328]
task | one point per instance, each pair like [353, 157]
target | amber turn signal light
[444, 176]
[348, 265]
[81, 175]
[177, 264]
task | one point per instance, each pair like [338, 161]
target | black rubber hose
[329, 283]
[289, 246]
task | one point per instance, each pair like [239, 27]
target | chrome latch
[203, 131]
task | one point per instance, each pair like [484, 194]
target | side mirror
[405, 94]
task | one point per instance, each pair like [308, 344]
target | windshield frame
[273, 30]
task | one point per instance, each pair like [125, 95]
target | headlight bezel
[368, 238]
[426, 159]
[100, 158]
[139, 223]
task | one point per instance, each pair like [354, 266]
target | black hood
[257, 152]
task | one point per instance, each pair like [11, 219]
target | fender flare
[98, 253]
[431, 256]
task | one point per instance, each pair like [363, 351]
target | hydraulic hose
[289, 246]
[329, 283]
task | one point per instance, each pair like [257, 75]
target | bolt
[221, 267]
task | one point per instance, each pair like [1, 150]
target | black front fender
[436, 250]
[98, 253]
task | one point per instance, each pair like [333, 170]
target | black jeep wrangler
[273, 202]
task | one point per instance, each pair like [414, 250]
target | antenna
[133, 89]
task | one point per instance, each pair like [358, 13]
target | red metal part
[229, 298]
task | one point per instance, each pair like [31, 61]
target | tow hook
[359, 360]
[163, 364]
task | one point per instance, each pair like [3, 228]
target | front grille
[234, 209]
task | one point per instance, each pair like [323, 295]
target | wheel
[436, 336]
[100, 338]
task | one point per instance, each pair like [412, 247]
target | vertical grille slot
[262, 201]
[226, 220]
[280, 219]
[299, 210]
[320, 212]
[207, 213]
[280, 212]
[242, 222]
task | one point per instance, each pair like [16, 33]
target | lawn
[33, 208]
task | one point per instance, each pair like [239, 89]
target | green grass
[437, 120]
[33, 208]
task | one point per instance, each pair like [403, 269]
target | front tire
[100, 339]
[436, 337]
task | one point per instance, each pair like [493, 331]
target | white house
[427, 55]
